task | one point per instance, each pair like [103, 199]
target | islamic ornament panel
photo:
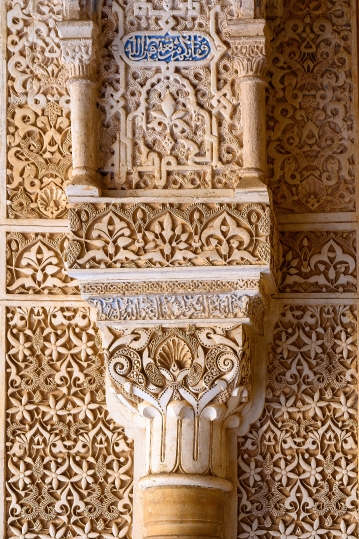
[69, 466]
[310, 108]
[298, 464]
[318, 262]
[38, 113]
[162, 235]
[169, 98]
[35, 264]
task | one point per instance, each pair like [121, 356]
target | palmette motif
[318, 262]
[69, 466]
[35, 264]
[310, 109]
[298, 463]
[162, 235]
[198, 365]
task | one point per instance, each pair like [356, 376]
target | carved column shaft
[250, 55]
[78, 43]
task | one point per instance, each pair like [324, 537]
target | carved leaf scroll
[162, 235]
[35, 264]
[310, 109]
[38, 122]
[318, 262]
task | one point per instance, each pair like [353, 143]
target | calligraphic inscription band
[167, 48]
[169, 307]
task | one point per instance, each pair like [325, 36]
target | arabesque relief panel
[310, 110]
[170, 101]
[38, 112]
[298, 464]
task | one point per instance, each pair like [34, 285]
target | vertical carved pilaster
[249, 49]
[79, 53]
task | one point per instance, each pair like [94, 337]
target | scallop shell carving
[174, 354]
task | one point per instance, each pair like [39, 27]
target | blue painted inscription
[184, 48]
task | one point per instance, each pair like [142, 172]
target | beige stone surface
[204, 384]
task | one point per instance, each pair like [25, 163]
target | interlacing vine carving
[298, 464]
[310, 110]
[155, 235]
[38, 122]
[69, 466]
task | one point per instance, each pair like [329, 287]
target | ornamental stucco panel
[38, 113]
[310, 108]
[69, 466]
[167, 120]
[151, 117]
[298, 464]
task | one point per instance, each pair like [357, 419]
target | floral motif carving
[318, 262]
[38, 123]
[35, 264]
[310, 110]
[298, 464]
[69, 465]
[162, 235]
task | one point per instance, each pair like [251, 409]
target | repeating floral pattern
[35, 264]
[310, 109]
[38, 122]
[298, 464]
[69, 466]
[318, 262]
[155, 235]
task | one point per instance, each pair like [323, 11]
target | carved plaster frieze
[173, 301]
[318, 262]
[168, 235]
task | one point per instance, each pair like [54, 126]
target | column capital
[251, 55]
[79, 47]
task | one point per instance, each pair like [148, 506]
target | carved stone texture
[38, 123]
[69, 466]
[310, 109]
[250, 55]
[35, 264]
[167, 235]
[318, 262]
[193, 376]
[170, 97]
[129, 288]
[298, 464]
